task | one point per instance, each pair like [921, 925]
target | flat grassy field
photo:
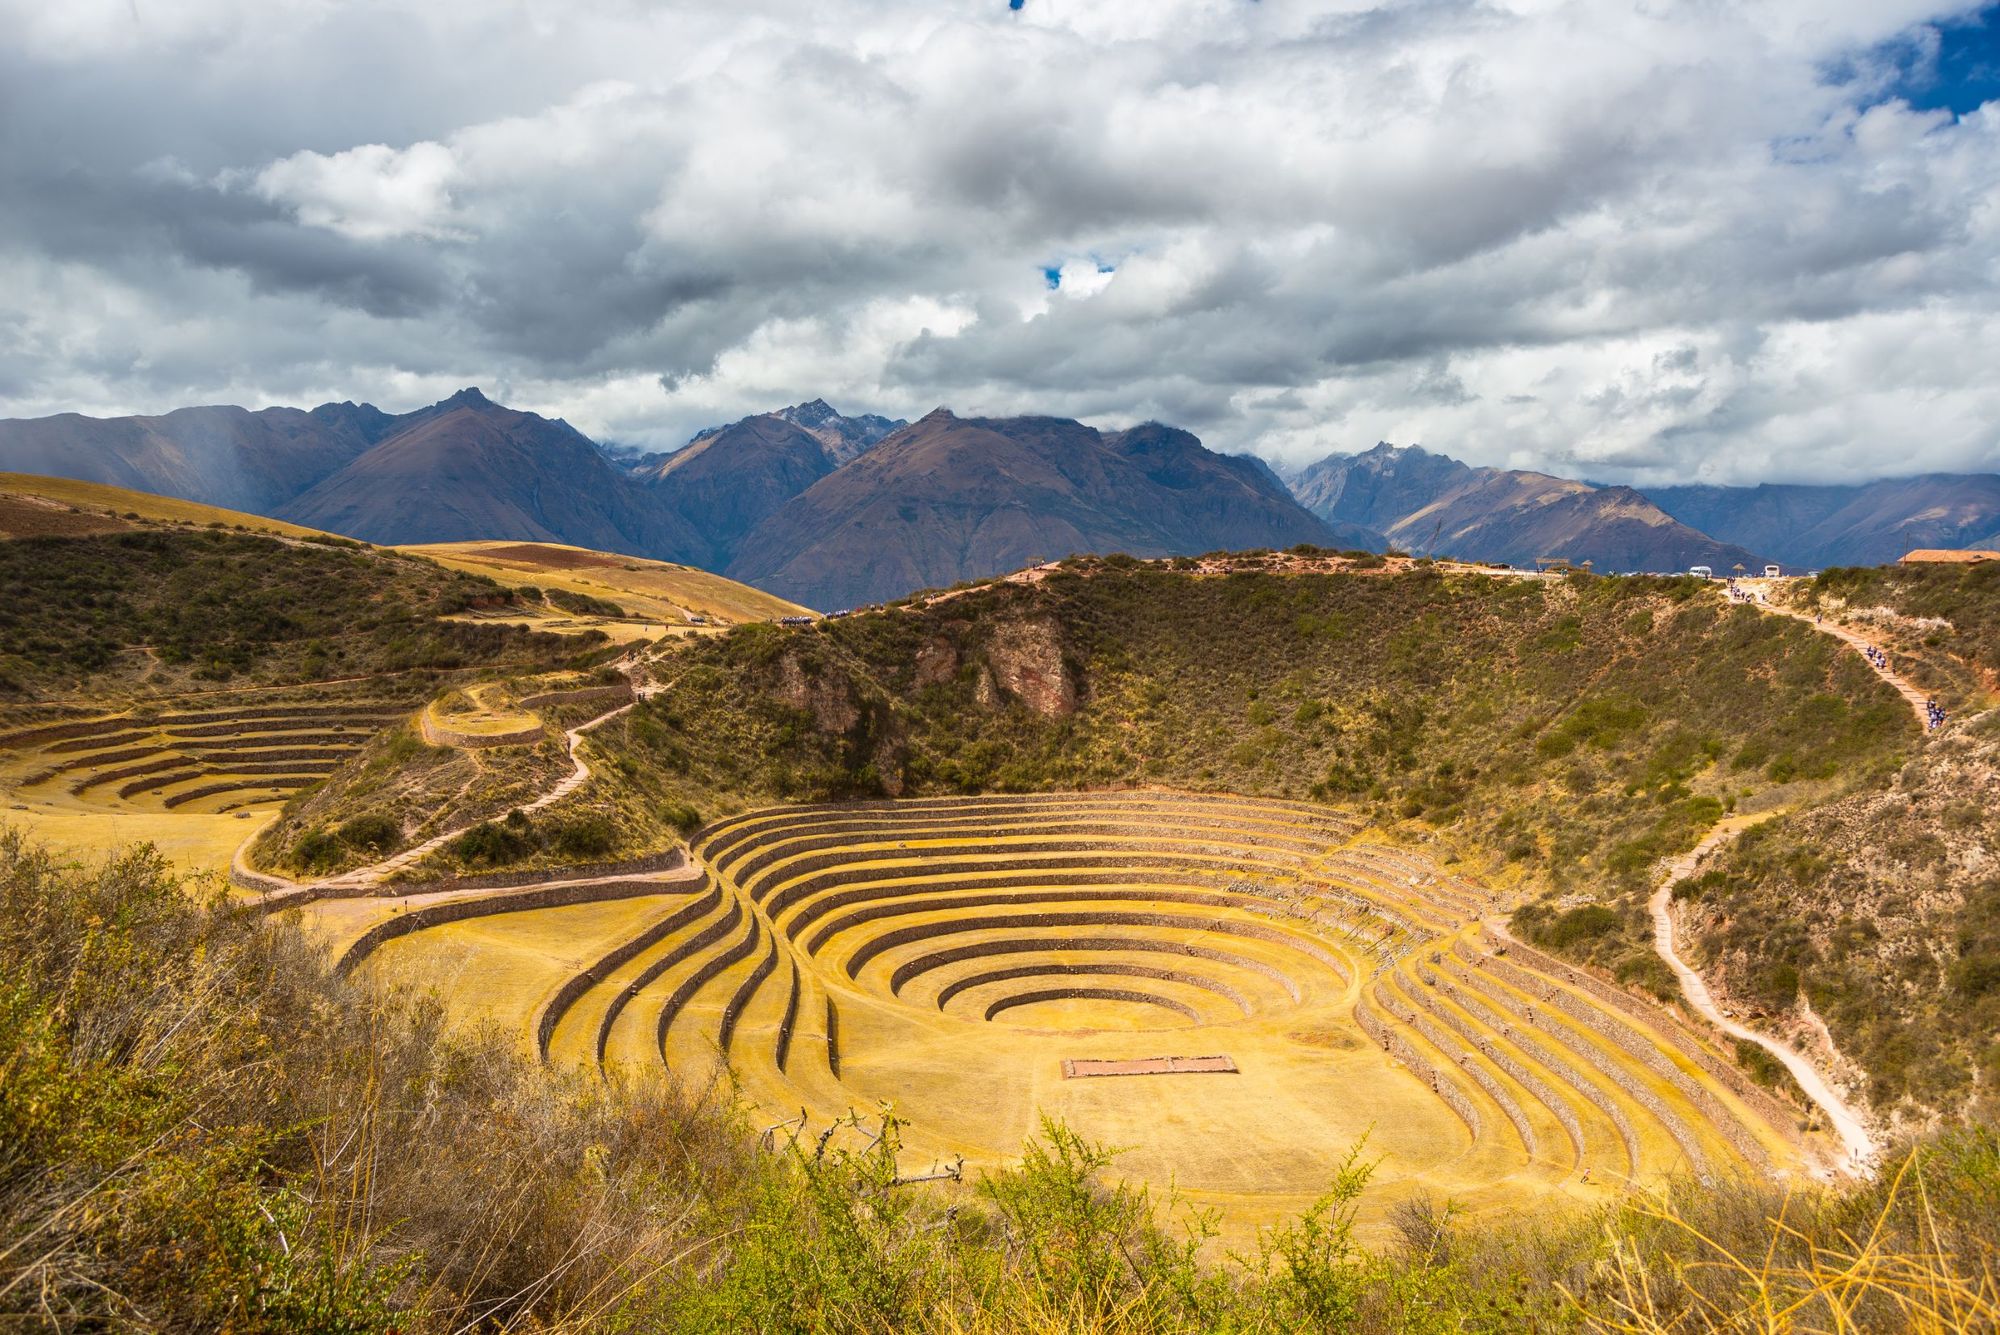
[656, 592]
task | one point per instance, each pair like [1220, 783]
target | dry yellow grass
[101, 499]
[192, 841]
[496, 970]
[656, 591]
[951, 954]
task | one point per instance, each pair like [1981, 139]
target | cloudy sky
[1642, 240]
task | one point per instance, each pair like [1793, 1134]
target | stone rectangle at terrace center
[1079, 1068]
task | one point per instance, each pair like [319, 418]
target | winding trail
[362, 880]
[1862, 1152]
[1861, 644]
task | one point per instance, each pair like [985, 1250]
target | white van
[1701, 572]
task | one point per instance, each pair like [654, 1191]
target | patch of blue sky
[1952, 65]
[1052, 274]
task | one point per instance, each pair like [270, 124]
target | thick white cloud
[1630, 240]
[370, 193]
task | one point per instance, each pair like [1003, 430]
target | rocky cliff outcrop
[1027, 661]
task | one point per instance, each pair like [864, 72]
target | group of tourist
[1933, 715]
[1740, 594]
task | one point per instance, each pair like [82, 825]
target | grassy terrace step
[766, 823]
[1015, 923]
[823, 872]
[1504, 1055]
[1440, 1046]
[135, 732]
[1774, 1122]
[1546, 1055]
[1412, 875]
[495, 903]
[748, 864]
[775, 824]
[1065, 895]
[1653, 1096]
[1358, 869]
[275, 746]
[1730, 1121]
[829, 850]
[772, 833]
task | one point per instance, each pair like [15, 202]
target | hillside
[660, 592]
[1431, 503]
[1877, 912]
[152, 611]
[948, 499]
[1866, 524]
[36, 506]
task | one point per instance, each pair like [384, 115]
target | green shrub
[371, 832]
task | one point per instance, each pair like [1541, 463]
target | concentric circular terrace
[1235, 990]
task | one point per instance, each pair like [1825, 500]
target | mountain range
[1863, 524]
[824, 509]
[1431, 503]
[910, 512]
[1428, 502]
[831, 510]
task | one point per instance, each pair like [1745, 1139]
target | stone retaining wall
[578, 696]
[740, 999]
[1768, 1106]
[1621, 1032]
[786, 1025]
[457, 910]
[575, 987]
[1437, 1038]
[1400, 1048]
[832, 1037]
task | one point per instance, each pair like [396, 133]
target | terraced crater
[198, 757]
[1251, 986]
